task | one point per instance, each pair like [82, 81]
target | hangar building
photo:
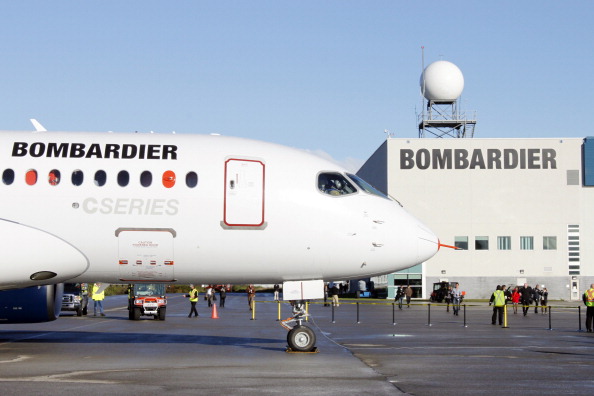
[521, 210]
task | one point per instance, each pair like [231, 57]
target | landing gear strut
[300, 338]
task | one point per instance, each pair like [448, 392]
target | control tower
[442, 83]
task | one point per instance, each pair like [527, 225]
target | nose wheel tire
[301, 338]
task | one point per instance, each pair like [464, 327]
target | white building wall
[526, 192]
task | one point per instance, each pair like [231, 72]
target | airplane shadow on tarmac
[76, 337]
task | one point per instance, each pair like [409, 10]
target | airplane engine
[31, 305]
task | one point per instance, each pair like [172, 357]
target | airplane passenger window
[363, 185]
[100, 178]
[53, 177]
[169, 179]
[77, 177]
[123, 178]
[191, 179]
[8, 176]
[146, 178]
[335, 184]
[31, 177]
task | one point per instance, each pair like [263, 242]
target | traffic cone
[215, 314]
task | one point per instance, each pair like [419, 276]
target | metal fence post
[550, 327]
[333, 314]
[393, 314]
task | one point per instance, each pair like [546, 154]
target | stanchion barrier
[505, 326]
[550, 327]
[333, 321]
[393, 314]
[420, 304]
[279, 310]
[307, 311]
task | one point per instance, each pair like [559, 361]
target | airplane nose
[427, 243]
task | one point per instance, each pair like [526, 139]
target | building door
[575, 289]
[244, 194]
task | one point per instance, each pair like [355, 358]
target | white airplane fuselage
[257, 213]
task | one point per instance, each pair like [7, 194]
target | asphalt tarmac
[382, 350]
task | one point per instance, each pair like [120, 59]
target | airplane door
[244, 194]
[145, 254]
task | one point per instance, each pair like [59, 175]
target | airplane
[184, 208]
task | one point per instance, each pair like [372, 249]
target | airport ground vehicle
[147, 299]
[440, 290]
[72, 298]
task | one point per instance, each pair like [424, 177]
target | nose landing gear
[301, 338]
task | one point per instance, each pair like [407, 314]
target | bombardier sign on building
[491, 158]
[520, 210]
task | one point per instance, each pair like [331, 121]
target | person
[84, 292]
[515, 299]
[526, 293]
[334, 295]
[98, 298]
[588, 299]
[507, 292]
[326, 295]
[276, 292]
[399, 296]
[544, 300]
[251, 294]
[456, 299]
[193, 295]
[223, 295]
[498, 301]
[408, 292]
[209, 294]
[536, 295]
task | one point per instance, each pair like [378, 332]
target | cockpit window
[335, 184]
[363, 185]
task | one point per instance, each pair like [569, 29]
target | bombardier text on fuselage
[95, 150]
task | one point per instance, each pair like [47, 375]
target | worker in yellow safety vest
[498, 301]
[588, 298]
[193, 295]
[98, 298]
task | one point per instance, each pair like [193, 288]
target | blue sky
[328, 76]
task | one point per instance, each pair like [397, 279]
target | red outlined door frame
[244, 194]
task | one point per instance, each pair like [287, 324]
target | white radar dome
[443, 81]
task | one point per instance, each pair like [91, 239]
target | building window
[461, 242]
[549, 243]
[526, 243]
[503, 243]
[481, 243]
